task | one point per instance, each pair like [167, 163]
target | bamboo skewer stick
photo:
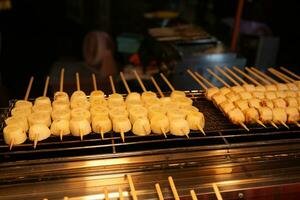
[193, 194]
[11, 144]
[77, 81]
[132, 188]
[204, 79]
[247, 76]
[167, 81]
[197, 80]
[158, 191]
[125, 82]
[28, 89]
[140, 81]
[173, 188]
[217, 191]
[218, 78]
[227, 76]
[106, 194]
[283, 75]
[280, 75]
[157, 87]
[235, 75]
[61, 82]
[269, 78]
[290, 73]
[264, 75]
[94, 82]
[262, 79]
[121, 194]
[112, 85]
[46, 86]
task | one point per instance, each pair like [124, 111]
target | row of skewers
[264, 100]
[106, 194]
[79, 115]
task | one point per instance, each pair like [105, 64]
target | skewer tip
[284, 124]
[273, 124]
[261, 123]
[201, 130]
[11, 144]
[164, 132]
[123, 138]
[244, 126]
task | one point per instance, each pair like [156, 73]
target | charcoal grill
[237, 159]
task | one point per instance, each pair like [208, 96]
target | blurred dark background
[35, 35]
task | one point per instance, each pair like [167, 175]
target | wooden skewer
[77, 81]
[279, 75]
[269, 78]
[61, 82]
[167, 82]
[121, 194]
[112, 85]
[244, 126]
[157, 87]
[218, 78]
[261, 123]
[262, 79]
[290, 73]
[81, 134]
[11, 144]
[158, 191]
[283, 75]
[106, 194]
[173, 188]
[140, 81]
[94, 82]
[163, 131]
[247, 76]
[35, 141]
[28, 89]
[196, 79]
[227, 76]
[204, 79]
[235, 75]
[101, 133]
[297, 124]
[132, 188]
[201, 129]
[217, 191]
[61, 135]
[273, 124]
[193, 194]
[46, 86]
[122, 136]
[284, 124]
[125, 82]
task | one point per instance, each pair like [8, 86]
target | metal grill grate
[220, 134]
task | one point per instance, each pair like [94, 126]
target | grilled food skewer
[241, 123]
[173, 188]
[158, 191]
[217, 191]
[256, 120]
[132, 188]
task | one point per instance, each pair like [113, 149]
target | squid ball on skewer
[249, 87]
[232, 96]
[279, 103]
[61, 96]
[60, 105]
[101, 124]
[14, 134]
[210, 92]
[21, 111]
[225, 90]
[23, 104]
[78, 95]
[141, 127]
[226, 106]
[115, 98]
[281, 94]
[291, 102]
[270, 95]
[133, 96]
[97, 95]
[148, 95]
[241, 104]
[292, 115]
[39, 132]
[156, 110]
[160, 124]
[254, 103]
[42, 108]
[267, 103]
[292, 86]
[60, 127]
[218, 99]
[281, 87]
[117, 113]
[80, 127]
[260, 88]
[245, 95]
[80, 113]
[196, 121]
[177, 93]
[42, 101]
[237, 89]
[99, 111]
[179, 127]
[271, 88]
[279, 116]
[258, 95]
[290, 93]
[176, 113]
[136, 113]
[20, 121]
[39, 118]
[63, 114]
[80, 103]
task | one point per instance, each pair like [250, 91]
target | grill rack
[220, 134]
